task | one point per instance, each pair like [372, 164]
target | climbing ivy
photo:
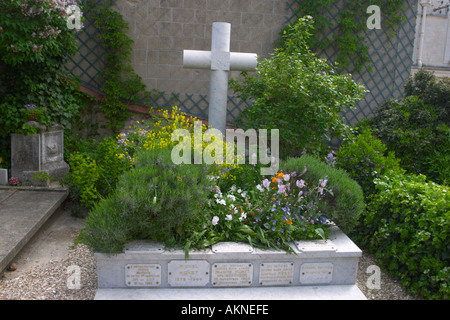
[348, 39]
[122, 85]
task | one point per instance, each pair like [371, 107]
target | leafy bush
[365, 159]
[153, 200]
[432, 91]
[83, 178]
[345, 203]
[416, 127]
[408, 222]
[94, 170]
[299, 94]
[35, 42]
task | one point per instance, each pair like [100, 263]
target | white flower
[233, 198]
[243, 216]
[228, 217]
[239, 190]
[222, 202]
[260, 188]
[215, 220]
[286, 177]
[244, 194]
[233, 188]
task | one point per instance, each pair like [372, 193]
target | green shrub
[82, 180]
[408, 223]
[95, 168]
[299, 94]
[417, 126]
[346, 203]
[365, 159]
[432, 91]
[153, 200]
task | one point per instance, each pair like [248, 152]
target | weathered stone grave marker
[42, 152]
[220, 61]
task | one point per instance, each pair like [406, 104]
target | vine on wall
[122, 85]
[349, 38]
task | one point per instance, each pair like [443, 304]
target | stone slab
[337, 292]
[22, 212]
[320, 264]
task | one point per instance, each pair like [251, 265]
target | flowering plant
[13, 181]
[272, 214]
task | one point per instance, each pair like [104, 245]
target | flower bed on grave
[196, 206]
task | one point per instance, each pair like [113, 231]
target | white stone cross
[220, 61]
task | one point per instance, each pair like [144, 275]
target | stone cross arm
[228, 61]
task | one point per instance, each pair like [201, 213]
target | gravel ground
[52, 281]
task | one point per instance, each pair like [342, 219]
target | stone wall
[436, 45]
[162, 29]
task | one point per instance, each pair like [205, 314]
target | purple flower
[273, 229]
[330, 159]
[281, 188]
[323, 183]
[266, 183]
[13, 181]
[300, 183]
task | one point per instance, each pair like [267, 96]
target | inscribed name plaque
[276, 273]
[232, 274]
[143, 275]
[188, 273]
[316, 273]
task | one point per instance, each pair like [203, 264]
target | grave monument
[38, 155]
[146, 270]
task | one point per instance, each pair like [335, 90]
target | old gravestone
[38, 155]
[220, 61]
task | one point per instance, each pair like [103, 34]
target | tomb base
[146, 269]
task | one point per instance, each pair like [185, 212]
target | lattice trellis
[89, 60]
[391, 58]
[391, 61]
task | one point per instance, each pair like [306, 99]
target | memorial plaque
[316, 273]
[188, 273]
[316, 246]
[231, 247]
[143, 275]
[276, 273]
[232, 274]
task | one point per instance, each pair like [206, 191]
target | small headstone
[3, 177]
[38, 155]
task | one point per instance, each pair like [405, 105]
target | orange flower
[280, 175]
[274, 179]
